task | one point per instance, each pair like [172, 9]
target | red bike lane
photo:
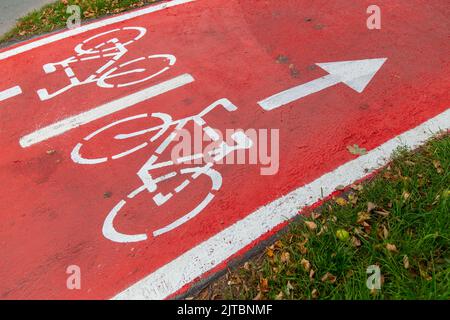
[54, 207]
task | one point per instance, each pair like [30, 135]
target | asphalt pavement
[11, 10]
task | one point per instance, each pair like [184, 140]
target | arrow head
[356, 73]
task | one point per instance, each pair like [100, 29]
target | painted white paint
[9, 93]
[103, 110]
[356, 74]
[95, 25]
[194, 263]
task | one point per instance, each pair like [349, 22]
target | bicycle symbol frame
[150, 183]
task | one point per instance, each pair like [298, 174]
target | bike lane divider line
[91, 26]
[73, 122]
[172, 277]
[10, 93]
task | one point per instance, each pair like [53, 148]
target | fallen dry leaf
[328, 277]
[382, 212]
[264, 285]
[306, 265]
[371, 206]
[311, 225]
[278, 244]
[362, 217]
[406, 262]
[383, 232]
[269, 253]
[391, 248]
[367, 227]
[438, 166]
[341, 201]
[285, 257]
[356, 242]
[312, 274]
[406, 195]
[289, 288]
[314, 294]
[279, 296]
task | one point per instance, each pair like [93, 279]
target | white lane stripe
[104, 110]
[194, 263]
[9, 93]
[91, 26]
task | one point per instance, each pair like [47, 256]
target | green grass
[54, 16]
[412, 214]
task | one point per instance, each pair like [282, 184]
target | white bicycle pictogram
[111, 46]
[150, 183]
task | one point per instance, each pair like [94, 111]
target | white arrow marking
[9, 93]
[356, 74]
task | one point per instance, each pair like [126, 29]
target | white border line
[73, 122]
[194, 263]
[88, 27]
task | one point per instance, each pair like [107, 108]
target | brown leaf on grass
[279, 244]
[285, 257]
[356, 242]
[279, 296]
[306, 265]
[406, 195]
[328, 277]
[383, 232]
[406, 262]
[391, 248]
[269, 252]
[264, 285]
[362, 217]
[438, 166]
[311, 225]
[382, 212]
[367, 227]
[314, 294]
[88, 13]
[312, 274]
[371, 206]
[302, 248]
[341, 201]
[289, 288]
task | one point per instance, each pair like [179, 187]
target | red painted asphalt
[53, 209]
